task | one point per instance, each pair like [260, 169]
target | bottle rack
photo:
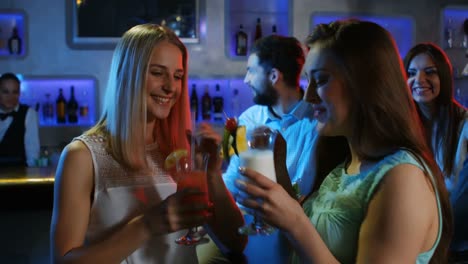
[246, 12]
[402, 28]
[9, 20]
[227, 87]
[34, 90]
[452, 19]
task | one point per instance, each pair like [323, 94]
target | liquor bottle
[258, 30]
[449, 33]
[465, 37]
[458, 95]
[61, 105]
[84, 109]
[273, 30]
[206, 105]
[2, 41]
[14, 42]
[241, 42]
[72, 107]
[235, 103]
[218, 105]
[47, 110]
[194, 102]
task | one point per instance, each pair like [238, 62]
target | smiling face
[163, 80]
[9, 94]
[327, 92]
[423, 79]
[257, 79]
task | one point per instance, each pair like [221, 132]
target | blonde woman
[107, 208]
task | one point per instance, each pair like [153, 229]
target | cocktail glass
[193, 175]
[259, 157]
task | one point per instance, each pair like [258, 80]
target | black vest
[12, 151]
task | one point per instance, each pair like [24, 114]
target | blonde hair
[123, 120]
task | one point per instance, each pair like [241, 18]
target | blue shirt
[457, 185]
[299, 130]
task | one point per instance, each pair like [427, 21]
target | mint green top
[338, 209]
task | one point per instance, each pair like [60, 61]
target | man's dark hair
[282, 53]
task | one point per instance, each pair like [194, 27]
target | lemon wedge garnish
[240, 142]
[241, 139]
[174, 157]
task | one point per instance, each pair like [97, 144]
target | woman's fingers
[257, 178]
[206, 131]
[249, 188]
[187, 206]
[249, 201]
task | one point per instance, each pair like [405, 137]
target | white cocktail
[259, 157]
[260, 160]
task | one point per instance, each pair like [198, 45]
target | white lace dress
[120, 195]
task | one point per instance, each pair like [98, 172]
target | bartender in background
[19, 135]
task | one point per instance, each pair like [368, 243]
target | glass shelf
[246, 12]
[13, 31]
[34, 91]
[452, 19]
[402, 28]
[451, 24]
[233, 106]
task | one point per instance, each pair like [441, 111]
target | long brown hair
[123, 120]
[383, 113]
[449, 114]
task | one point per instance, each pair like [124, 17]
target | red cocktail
[196, 180]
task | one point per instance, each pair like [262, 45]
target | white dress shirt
[31, 135]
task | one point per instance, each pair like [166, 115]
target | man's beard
[269, 97]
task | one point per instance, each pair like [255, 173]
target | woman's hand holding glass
[178, 211]
[192, 176]
[268, 200]
[193, 173]
[209, 144]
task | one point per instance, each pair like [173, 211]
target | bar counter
[27, 176]
[24, 188]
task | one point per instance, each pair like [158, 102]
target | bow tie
[3, 116]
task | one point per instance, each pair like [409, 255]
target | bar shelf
[401, 27]
[34, 91]
[452, 18]
[246, 12]
[13, 33]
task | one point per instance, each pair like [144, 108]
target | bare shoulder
[408, 185]
[72, 198]
[408, 176]
[76, 149]
[401, 218]
[75, 162]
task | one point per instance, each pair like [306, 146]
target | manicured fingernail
[242, 170]
[240, 183]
